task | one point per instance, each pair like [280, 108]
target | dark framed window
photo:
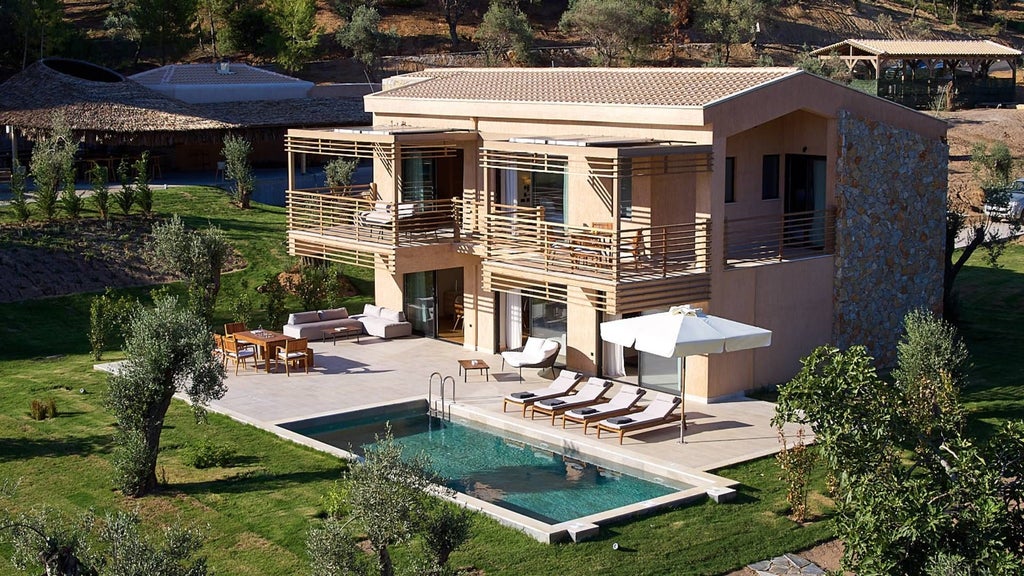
[770, 177]
[730, 179]
[626, 188]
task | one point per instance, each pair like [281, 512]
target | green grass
[258, 509]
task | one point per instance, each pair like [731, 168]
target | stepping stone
[786, 565]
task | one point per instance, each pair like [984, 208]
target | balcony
[355, 227]
[620, 269]
[779, 237]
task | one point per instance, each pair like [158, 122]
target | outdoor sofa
[375, 321]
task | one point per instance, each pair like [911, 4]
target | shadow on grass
[255, 481]
[12, 449]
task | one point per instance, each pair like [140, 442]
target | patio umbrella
[681, 332]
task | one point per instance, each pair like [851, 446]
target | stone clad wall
[890, 232]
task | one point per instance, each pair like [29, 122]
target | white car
[1014, 206]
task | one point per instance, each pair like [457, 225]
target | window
[730, 179]
[626, 188]
[770, 177]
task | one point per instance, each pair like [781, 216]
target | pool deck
[350, 376]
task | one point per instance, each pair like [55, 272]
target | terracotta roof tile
[670, 87]
[934, 48]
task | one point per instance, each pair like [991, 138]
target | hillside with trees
[347, 40]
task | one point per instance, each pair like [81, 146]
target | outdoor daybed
[384, 322]
[659, 411]
[560, 386]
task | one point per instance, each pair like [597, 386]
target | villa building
[516, 202]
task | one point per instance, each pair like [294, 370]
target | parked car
[1012, 208]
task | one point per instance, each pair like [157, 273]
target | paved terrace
[350, 376]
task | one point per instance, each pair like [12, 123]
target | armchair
[537, 353]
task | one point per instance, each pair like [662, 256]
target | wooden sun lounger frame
[528, 402]
[554, 411]
[591, 418]
[671, 417]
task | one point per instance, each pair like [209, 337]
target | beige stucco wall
[793, 300]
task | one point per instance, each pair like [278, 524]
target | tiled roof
[205, 74]
[934, 48]
[670, 87]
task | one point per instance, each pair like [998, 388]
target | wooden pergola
[934, 62]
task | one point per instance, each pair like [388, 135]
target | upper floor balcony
[779, 237]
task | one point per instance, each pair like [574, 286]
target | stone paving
[786, 565]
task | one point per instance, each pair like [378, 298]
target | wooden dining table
[266, 341]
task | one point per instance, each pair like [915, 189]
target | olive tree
[505, 33]
[238, 169]
[388, 499]
[169, 349]
[616, 27]
[363, 36]
[89, 544]
[53, 167]
[914, 494]
[197, 256]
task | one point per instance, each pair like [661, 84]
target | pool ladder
[437, 407]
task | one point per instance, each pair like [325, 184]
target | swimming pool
[521, 482]
[515, 473]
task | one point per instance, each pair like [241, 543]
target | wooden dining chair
[239, 354]
[218, 348]
[293, 351]
[232, 327]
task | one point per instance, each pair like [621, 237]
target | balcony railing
[354, 215]
[779, 237]
[521, 236]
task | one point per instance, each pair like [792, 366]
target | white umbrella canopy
[684, 331]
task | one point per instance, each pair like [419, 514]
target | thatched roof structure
[104, 105]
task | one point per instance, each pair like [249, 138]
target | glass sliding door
[419, 178]
[547, 319]
[535, 190]
[419, 299]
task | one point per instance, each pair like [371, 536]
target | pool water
[510, 473]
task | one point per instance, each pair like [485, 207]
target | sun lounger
[591, 393]
[659, 411]
[621, 404]
[560, 386]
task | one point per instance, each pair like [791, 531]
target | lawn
[257, 510]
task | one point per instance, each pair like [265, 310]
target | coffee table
[342, 332]
[466, 365]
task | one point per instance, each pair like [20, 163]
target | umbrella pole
[681, 373]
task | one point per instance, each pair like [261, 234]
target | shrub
[237, 168]
[317, 287]
[100, 192]
[274, 294]
[71, 202]
[206, 454]
[796, 463]
[336, 501]
[243, 307]
[18, 202]
[143, 193]
[125, 197]
[53, 166]
[339, 172]
[107, 314]
[41, 410]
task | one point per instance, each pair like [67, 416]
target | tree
[89, 545]
[386, 495]
[299, 34]
[616, 27]
[505, 33]
[363, 36]
[169, 349]
[19, 202]
[993, 169]
[121, 22]
[165, 24]
[195, 255]
[730, 22]
[452, 11]
[339, 172]
[249, 28]
[237, 168]
[912, 492]
[53, 166]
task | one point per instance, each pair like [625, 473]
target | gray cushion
[303, 317]
[334, 314]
